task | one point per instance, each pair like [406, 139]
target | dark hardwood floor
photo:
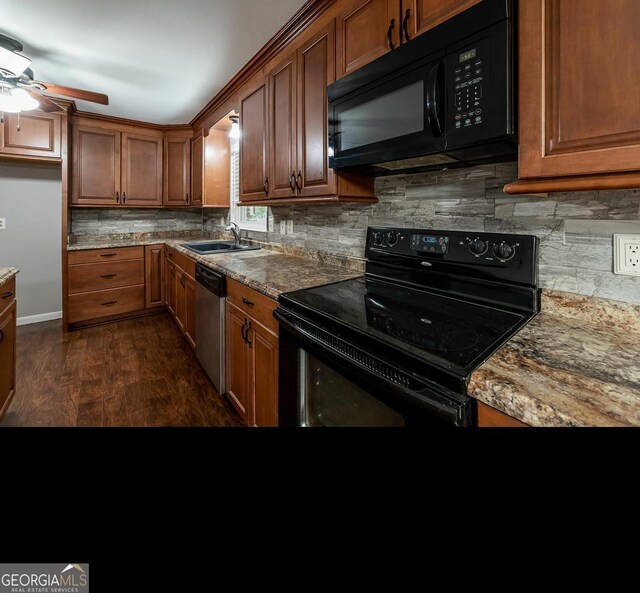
[139, 372]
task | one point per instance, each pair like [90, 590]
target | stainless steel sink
[217, 247]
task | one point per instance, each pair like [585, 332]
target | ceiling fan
[20, 92]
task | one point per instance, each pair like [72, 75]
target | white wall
[31, 201]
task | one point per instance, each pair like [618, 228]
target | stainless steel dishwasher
[211, 290]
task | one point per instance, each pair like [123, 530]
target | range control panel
[515, 254]
[468, 70]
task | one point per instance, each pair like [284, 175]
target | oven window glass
[329, 399]
[395, 114]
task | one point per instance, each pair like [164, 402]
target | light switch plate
[3, 224]
[289, 227]
[626, 255]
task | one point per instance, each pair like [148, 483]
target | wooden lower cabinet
[489, 417]
[111, 284]
[252, 357]
[8, 318]
[180, 290]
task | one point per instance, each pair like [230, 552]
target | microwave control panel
[469, 69]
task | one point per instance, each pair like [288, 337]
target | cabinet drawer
[89, 277]
[187, 264]
[91, 256]
[253, 303]
[103, 303]
[7, 294]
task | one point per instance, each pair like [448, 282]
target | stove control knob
[504, 251]
[377, 238]
[392, 238]
[478, 246]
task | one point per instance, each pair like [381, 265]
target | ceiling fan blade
[67, 91]
[46, 104]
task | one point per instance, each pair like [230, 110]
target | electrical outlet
[626, 255]
[283, 227]
[289, 227]
[3, 224]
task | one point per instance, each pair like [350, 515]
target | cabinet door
[197, 175]
[7, 356]
[141, 170]
[579, 87]
[426, 14]
[37, 135]
[171, 288]
[282, 129]
[95, 179]
[365, 31]
[238, 361]
[254, 182]
[181, 298]
[217, 169]
[177, 172]
[316, 69]
[154, 276]
[190, 310]
[263, 346]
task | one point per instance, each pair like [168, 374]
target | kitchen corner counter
[7, 273]
[576, 364]
[269, 272]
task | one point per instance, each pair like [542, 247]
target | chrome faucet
[235, 229]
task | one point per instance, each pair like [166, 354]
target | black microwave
[445, 98]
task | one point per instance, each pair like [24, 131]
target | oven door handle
[433, 100]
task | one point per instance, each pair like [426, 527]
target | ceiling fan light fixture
[24, 100]
[235, 126]
[12, 63]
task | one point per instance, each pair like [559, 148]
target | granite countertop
[7, 273]
[575, 364]
[269, 272]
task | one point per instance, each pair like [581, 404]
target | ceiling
[159, 61]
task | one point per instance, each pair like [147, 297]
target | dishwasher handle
[212, 280]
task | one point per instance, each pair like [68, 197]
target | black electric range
[398, 346]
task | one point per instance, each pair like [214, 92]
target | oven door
[391, 118]
[326, 382]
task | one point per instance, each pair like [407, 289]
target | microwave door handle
[433, 102]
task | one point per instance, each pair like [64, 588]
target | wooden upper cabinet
[426, 14]
[282, 129]
[96, 167]
[197, 171]
[217, 169]
[141, 183]
[177, 171]
[366, 30]
[316, 64]
[254, 182]
[33, 134]
[579, 87]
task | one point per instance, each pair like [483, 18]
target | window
[252, 218]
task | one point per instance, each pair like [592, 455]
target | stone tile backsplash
[575, 229]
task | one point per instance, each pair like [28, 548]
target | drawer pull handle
[108, 275]
[108, 254]
[1, 336]
[248, 302]
[249, 342]
[6, 295]
[108, 303]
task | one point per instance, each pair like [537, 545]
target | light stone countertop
[7, 273]
[575, 364]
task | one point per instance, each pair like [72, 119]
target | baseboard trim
[39, 318]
